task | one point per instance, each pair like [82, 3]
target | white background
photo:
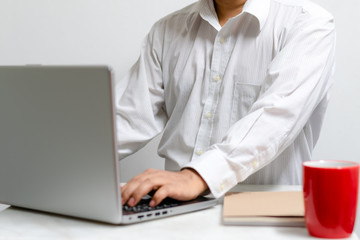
[111, 31]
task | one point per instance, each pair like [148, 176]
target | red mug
[330, 197]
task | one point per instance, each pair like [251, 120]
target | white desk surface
[206, 224]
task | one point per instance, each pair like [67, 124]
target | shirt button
[222, 187]
[208, 115]
[255, 163]
[217, 78]
[222, 40]
[200, 152]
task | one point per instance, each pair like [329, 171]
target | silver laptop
[58, 145]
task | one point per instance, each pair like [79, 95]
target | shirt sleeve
[298, 79]
[140, 111]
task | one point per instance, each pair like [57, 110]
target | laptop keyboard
[143, 205]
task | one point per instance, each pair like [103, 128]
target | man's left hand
[184, 185]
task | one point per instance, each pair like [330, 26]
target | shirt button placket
[222, 40]
[217, 78]
[204, 134]
[208, 115]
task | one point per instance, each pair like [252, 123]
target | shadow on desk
[293, 232]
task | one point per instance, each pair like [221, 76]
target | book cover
[264, 209]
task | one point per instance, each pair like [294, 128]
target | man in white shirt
[239, 90]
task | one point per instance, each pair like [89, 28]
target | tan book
[264, 209]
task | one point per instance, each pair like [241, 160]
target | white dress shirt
[238, 103]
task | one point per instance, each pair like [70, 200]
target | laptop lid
[57, 144]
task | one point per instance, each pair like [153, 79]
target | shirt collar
[259, 9]
[205, 8]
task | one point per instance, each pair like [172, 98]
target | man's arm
[140, 109]
[141, 115]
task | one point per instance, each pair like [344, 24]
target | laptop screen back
[57, 144]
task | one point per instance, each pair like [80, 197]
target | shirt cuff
[216, 172]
